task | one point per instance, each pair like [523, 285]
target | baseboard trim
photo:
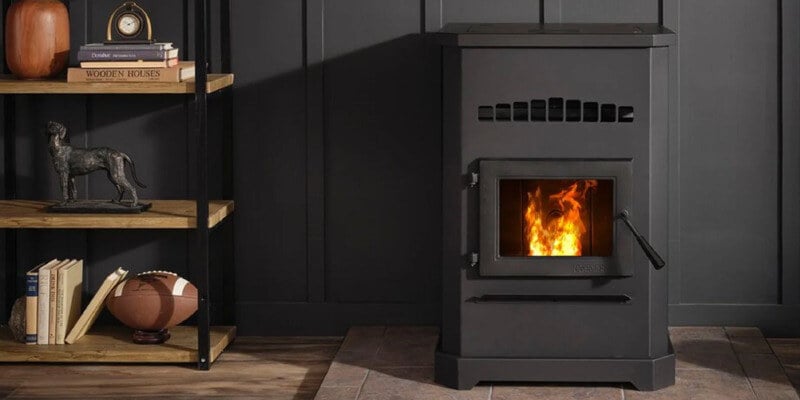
[255, 318]
[774, 320]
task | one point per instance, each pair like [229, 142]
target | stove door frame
[620, 263]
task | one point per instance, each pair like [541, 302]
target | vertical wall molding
[541, 11]
[314, 58]
[432, 15]
[552, 11]
[670, 14]
[789, 67]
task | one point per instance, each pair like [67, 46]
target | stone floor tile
[764, 371]
[556, 392]
[414, 331]
[740, 331]
[700, 339]
[793, 373]
[364, 340]
[413, 384]
[725, 362]
[407, 347]
[768, 394]
[345, 375]
[395, 363]
[678, 332]
[337, 393]
[750, 345]
[699, 385]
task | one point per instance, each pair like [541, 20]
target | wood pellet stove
[555, 153]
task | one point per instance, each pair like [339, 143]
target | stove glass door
[554, 217]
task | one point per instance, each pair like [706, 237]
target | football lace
[157, 272]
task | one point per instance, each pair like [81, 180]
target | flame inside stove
[555, 228]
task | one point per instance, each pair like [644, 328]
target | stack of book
[156, 62]
[53, 302]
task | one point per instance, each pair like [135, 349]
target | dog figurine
[70, 162]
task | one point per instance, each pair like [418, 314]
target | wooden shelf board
[113, 344]
[165, 214]
[11, 85]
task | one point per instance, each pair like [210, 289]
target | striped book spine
[31, 306]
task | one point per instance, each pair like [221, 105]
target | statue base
[99, 207]
[151, 337]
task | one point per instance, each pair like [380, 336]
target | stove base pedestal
[463, 373]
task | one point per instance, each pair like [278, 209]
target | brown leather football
[153, 300]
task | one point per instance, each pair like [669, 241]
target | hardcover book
[91, 312]
[43, 309]
[181, 72]
[53, 312]
[130, 64]
[113, 47]
[32, 301]
[68, 300]
[126, 55]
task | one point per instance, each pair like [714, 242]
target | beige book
[32, 301]
[43, 309]
[68, 301]
[178, 73]
[95, 306]
[51, 326]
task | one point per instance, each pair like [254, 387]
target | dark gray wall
[734, 191]
[336, 148]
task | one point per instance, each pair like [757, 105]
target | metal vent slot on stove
[538, 110]
[625, 114]
[573, 110]
[502, 112]
[520, 111]
[486, 113]
[555, 109]
[591, 111]
[608, 113]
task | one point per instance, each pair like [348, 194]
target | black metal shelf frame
[199, 266]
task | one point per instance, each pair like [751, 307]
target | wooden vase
[37, 38]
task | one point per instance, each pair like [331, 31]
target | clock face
[129, 24]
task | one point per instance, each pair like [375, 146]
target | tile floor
[713, 363]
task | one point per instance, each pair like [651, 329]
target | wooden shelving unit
[165, 214]
[11, 85]
[112, 344]
[201, 344]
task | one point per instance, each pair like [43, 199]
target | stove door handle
[649, 251]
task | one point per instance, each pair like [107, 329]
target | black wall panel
[487, 11]
[269, 150]
[336, 156]
[381, 155]
[617, 11]
[729, 152]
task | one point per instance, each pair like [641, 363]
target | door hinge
[473, 260]
[474, 179]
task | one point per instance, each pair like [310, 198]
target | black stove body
[551, 133]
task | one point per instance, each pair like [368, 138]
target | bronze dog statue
[70, 162]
